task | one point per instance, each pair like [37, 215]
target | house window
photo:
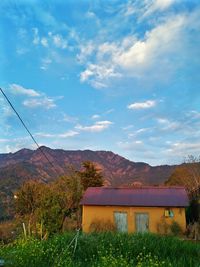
[121, 221]
[142, 222]
[169, 213]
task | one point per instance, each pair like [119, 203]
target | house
[137, 209]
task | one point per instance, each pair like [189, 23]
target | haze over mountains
[15, 168]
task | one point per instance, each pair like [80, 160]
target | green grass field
[102, 250]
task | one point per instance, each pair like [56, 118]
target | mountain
[46, 165]
[25, 164]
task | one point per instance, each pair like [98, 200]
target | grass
[103, 250]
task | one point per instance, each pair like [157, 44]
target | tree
[90, 175]
[27, 198]
[70, 189]
[188, 175]
[48, 205]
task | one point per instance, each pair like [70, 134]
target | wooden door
[142, 222]
[121, 221]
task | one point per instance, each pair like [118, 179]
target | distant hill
[26, 164]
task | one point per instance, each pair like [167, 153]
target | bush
[98, 226]
[163, 227]
[9, 230]
[176, 228]
[69, 224]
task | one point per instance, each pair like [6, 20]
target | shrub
[9, 230]
[98, 225]
[69, 224]
[176, 228]
[163, 227]
[193, 231]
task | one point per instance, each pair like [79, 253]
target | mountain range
[46, 165]
[26, 164]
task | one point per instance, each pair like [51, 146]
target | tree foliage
[50, 204]
[90, 175]
[188, 175]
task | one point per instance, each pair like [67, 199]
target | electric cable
[32, 137]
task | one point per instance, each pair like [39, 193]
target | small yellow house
[138, 209]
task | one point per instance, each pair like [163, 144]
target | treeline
[45, 209]
[188, 175]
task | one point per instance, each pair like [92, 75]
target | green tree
[50, 211]
[49, 205]
[28, 197]
[90, 175]
[70, 190]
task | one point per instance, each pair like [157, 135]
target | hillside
[27, 164]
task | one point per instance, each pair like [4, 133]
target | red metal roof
[147, 196]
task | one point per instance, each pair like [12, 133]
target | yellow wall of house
[156, 216]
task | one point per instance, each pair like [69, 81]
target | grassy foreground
[102, 250]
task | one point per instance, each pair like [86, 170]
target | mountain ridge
[26, 164]
[117, 170]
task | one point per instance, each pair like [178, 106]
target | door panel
[142, 222]
[121, 221]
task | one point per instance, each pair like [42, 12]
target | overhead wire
[32, 137]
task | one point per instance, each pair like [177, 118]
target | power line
[32, 137]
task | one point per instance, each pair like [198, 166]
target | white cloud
[194, 114]
[168, 125]
[44, 42]
[45, 63]
[59, 41]
[99, 126]
[137, 145]
[156, 44]
[85, 51]
[97, 74]
[142, 105]
[18, 89]
[69, 118]
[5, 110]
[146, 8]
[128, 127]
[182, 149]
[161, 4]
[36, 38]
[95, 116]
[45, 102]
[3, 140]
[134, 57]
[21, 50]
[67, 134]
[142, 130]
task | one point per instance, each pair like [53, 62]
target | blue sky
[102, 75]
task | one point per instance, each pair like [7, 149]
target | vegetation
[105, 249]
[188, 175]
[99, 226]
[90, 175]
[175, 229]
[45, 208]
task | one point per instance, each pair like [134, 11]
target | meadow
[102, 250]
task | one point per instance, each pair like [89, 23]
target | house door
[121, 221]
[142, 222]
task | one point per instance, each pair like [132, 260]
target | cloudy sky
[102, 75]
